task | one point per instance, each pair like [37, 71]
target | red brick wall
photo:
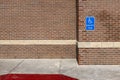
[107, 20]
[37, 51]
[107, 29]
[101, 56]
[56, 20]
[37, 19]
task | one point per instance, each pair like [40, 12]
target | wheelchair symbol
[89, 21]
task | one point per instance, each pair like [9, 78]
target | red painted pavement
[35, 77]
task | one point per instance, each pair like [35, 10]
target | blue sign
[90, 23]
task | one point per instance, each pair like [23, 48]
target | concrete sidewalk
[60, 66]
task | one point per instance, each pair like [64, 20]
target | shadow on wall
[112, 24]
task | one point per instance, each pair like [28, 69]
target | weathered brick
[107, 27]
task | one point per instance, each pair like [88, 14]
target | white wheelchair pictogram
[90, 21]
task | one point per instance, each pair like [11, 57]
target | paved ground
[63, 66]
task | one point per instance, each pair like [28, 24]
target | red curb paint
[35, 77]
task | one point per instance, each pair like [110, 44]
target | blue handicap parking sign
[90, 23]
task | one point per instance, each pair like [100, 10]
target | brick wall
[37, 20]
[107, 29]
[56, 20]
[101, 56]
[107, 15]
[37, 51]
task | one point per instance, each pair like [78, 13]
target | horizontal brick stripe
[99, 56]
[98, 44]
[37, 51]
[37, 42]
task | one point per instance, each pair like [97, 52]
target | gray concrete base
[60, 66]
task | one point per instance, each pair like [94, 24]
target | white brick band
[98, 44]
[37, 42]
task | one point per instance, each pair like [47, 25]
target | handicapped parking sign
[90, 23]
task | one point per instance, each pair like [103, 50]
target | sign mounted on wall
[90, 23]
